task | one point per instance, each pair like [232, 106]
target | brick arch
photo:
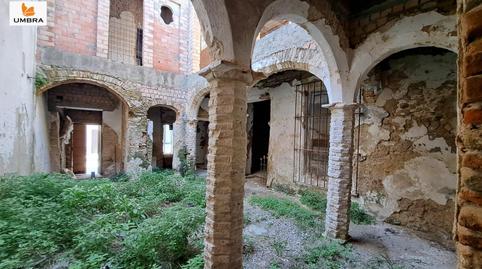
[125, 91]
[423, 30]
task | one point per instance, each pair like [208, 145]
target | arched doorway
[86, 130]
[288, 129]
[406, 129]
[160, 130]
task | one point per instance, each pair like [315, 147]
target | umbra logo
[28, 13]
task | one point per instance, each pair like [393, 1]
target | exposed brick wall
[76, 26]
[468, 219]
[83, 28]
[370, 21]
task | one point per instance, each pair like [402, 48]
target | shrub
[359, 216]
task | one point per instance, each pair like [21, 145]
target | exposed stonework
[227, 157]
[337, 218]
[408, 125]
[468, 219]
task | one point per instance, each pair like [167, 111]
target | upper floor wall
[161, 34]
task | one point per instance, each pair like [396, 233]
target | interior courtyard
[365, 107]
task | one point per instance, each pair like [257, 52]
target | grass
[281, 207]
[317, 201]
[154, 222]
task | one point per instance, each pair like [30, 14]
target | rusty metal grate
[311, 135]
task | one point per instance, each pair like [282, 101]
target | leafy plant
[327, 254]
[195, 263]
[359, 216]
[152, 222]
[40, 80]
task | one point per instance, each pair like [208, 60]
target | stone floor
[374, 246]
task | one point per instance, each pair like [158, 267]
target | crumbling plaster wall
[281, 136]
[407, 168]
[22, 135]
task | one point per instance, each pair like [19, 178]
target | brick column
[148, 34]
[103, 13]
[137, 142]
[468, 218]
[227, 159]
[337, 219]
[46, 35]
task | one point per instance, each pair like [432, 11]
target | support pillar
[468, 216]
[227, 156]
[337, 219]
[191, 134]
[177, 142]
[137, 159]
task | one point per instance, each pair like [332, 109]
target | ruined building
[376, 100]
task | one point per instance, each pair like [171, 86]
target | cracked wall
[407, 134]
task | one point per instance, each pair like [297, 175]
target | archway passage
[406, 129]
[86, 130]
[288, 129]
[202, 134]
[160, 130]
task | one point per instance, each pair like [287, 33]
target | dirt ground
[272, 242]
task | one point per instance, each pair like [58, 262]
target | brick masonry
[337, 219]
[83, 28]
[468, 218]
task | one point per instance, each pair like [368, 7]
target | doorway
[260, 142]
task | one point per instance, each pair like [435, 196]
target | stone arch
[216, 26]
[125, 91]
[194, 102]
[176, 107]
[430, 29]
[329, 38]
[294, 59]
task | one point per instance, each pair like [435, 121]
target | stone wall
[383, 15]
[408, 126]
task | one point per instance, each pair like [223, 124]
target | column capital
[224, 70]
[341, 106]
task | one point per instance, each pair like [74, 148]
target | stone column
[177, 141]
[227, 156]
[191, 136]
[137, 159]
[337, 219]
[468, 216]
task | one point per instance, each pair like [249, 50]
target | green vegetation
[40, 80]
[314, 200]
[327, 254]
[359, 216]
[279, 247]
[317, 201]
[153, 222]
[281, 207]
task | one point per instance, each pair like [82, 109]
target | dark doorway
[261, 117]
